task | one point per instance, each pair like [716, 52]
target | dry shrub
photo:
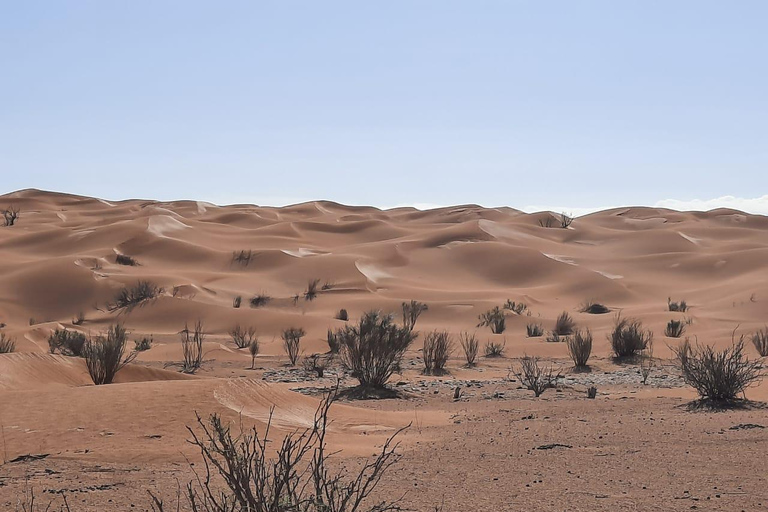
[143, 344]
[260, 300]
[192, 347]
[237, 301]
[535, 377]
[580, 347]
[253, 349]
[130, 297]
[11, 214]
[628, 337]
[516, 307]
[534, 330]
[311, 292]
[242, 337]
[242, 257]
[595, 308]
[494, 348]
[565, 220]
[674, 329]
[438, 347]
[646, 362]
[681, 306]
[373, 349]
[470, 345]
[68, 343]
[718, 376]
[564, 325]
[292, 343]
[760, 340]
[7, 344]
[495, 319]
[342, 315]
[553, 337]
[295, 479]
[411, 312]
[104, 355]
[333, 341]
[316, 364]
[123, 259]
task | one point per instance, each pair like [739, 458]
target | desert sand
[634, 447]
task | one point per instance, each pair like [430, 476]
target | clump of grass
[438, 347]
[7, 344]
[242, 257]
[534, 330]
[674, 329]
[628, 338]
[143, 344]
[132, 296]
[564, 325]
[553, 337]
[681, 306]
[104, 355]
[535, 377]
[580, 347]
[311, 292]
[124, 259]
[595, 308]
[292, 343]
[260, 300]
[470, 345]
[327, 286]
[494, 348]
[192, 347]
[342, 315]
[253, 349]
[242, 337]
[237, 301]
[495, 319]
[516, 307]
[68, 343]
[760, 341]
[411, 312]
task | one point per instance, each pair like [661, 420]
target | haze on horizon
[533, 105]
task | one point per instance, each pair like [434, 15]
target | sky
[568, 105]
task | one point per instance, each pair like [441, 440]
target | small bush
[79, 319]
[411, 312]
[260, 300]
[681, 306]
[495, 319]
[253, 349]
[143, 344]
[628, 338]
[7, 344]
[565, 220]
[595, 308]
[104, 355]
[237, 301]
[438, 347]
[292, 343]
[494, 348]
[130, 297]
[373, 349]
[516, 307]
[646, 361]
[333, 341]
[192, 347]
[470, 346]
[316, 364]
[342, 315]
[241, 337]
[580, 347]
[535, 377]
[675, 329]
[11, 214]
[760, 341]
[564, 325]
[122, 259]
[311, 292]
[534, 330]
[717, 376]
[242, 257]
[68, 343]
[553, 337]
[327, 286]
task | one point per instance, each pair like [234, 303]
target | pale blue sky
[520, 103]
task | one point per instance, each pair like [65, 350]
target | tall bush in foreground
[374, 348]
[243, 337]
[580, 347]
[411, 312]
[192, 347]
[297, 479]
[717, 376]
[7, 344]
[438, 347]
[104, 356]
[292, 343]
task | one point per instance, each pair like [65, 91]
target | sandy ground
[635, 447]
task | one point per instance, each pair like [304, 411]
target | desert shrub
[580, 347]
[565, 220]
[494, 348]
[534, 330]
[7, 344]
[470, 346]
[260, 300]
[242, 257]
[595, 308]
[316, 364]
[516, 307]
[132, 296]
[553, 337]
[10, 215]
[495, 319]
[717, 376]
[237, 301]
[192, 347]
[681, 306]
[438, 347]
[327, 286]
[535, 377]
[564, 325]
[373, 348]
[333, 341]
[143, 344]
[253, 349]
[292, 343]
[628, 337]
[104, 355]
[297, 478]
[242, 337]
[123, 259]
[68, 343]
[646, 362]
[411, 312]
[79, 319]
[760, 341]
[546, 223]
[342, 315]
[311, 292]
[675, 329]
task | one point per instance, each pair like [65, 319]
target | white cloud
[757, 205]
